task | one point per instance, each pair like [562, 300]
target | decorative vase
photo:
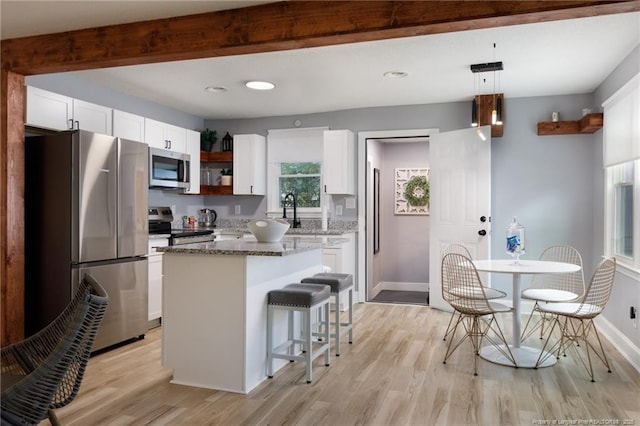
[225, 180]
[515, 240]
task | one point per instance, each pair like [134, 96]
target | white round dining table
[525, 356]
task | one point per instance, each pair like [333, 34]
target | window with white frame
[294, 158]
[622, 174]
[302, 180]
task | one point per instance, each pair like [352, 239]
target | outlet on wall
[238, 209]
[338, 210]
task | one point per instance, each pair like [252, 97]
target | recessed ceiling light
[260, 85]
[395, 74]
[215, 89]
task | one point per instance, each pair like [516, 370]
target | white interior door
[460, 180]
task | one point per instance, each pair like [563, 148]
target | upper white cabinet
[128, 126]
[165, 136]
[249, 165]
[338, 162]
[193, 149]
[92, 117]
[48, 110]
[53, 111]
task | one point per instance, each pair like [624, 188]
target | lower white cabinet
[155, 277]
[342, 259]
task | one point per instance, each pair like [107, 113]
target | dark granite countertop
[250, 247]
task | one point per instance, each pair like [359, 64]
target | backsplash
[311, 224]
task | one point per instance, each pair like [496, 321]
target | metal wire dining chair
[575, 319]
[463, 290]
[545, 288]
[44, 371]
[489, 292]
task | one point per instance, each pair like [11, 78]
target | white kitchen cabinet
[155, 277]
[338, 162]
[249, 165]
[342, 259]
[48, 110]
[53, 111]
[193, 149]
[165, 136]
[92, 117]
[128, 126]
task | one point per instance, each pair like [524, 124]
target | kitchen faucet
[296, 221]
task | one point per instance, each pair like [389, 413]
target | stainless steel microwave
[168, 169]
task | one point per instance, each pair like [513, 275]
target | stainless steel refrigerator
[86, 211]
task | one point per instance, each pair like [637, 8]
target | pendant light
[499, 110]
[474, 113]
[488, 108]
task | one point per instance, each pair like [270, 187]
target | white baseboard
[402, 286]
[629, 351]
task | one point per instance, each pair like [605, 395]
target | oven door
[168, 169]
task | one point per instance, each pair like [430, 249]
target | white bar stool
[303, 298]
[339, 283]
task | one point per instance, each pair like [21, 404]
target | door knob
[482, 232]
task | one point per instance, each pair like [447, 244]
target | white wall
[404, 239]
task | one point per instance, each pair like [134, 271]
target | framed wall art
[411, 191]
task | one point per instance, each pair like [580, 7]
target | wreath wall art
[412, 191]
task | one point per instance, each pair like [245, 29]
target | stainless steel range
[160, 219]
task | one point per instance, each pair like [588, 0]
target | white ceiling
[553, 58]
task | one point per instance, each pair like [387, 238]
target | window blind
[622, 124]
[295, 145]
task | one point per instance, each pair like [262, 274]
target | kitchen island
[215, 306]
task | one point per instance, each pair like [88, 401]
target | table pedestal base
[525, 356]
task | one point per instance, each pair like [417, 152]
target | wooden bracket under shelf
[590, 123]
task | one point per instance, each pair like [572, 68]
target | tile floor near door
[401, 296]
[392, 374]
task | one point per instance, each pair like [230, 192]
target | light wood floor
[392, 375]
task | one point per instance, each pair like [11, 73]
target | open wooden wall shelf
[216, 189]
[590, 123]
[216, 157]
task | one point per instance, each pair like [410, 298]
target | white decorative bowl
[268, 230]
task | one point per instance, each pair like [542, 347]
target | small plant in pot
[208, 138]
[226, 177]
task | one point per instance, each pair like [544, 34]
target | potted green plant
[208, 138]
[226, 177]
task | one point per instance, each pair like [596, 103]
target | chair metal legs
[476, 329]
[574, 330]
[449, 329]
[539, 324]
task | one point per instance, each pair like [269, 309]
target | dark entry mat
[399, 296]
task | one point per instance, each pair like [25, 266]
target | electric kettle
[207, 217]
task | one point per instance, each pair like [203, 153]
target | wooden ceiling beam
[278, 26]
